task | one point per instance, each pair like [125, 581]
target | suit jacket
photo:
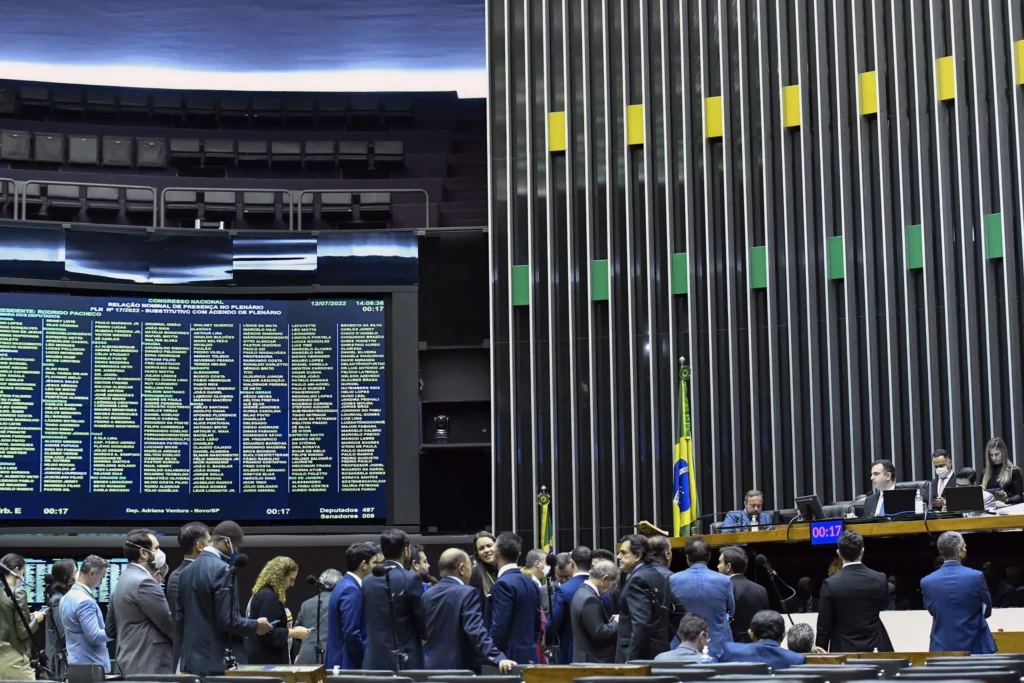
[456, 635]
[172, 602]
[515, 616]
[208, 621]
[346, 626]
[959, 602]
[739, 520]
[649, 614]
[139, 619]
[561, 622]
[407, 591]
[950, 484]
[307, 618]
[709, 594]
[870, 503]
[271, 647]
[750, 599]
[849, 608]
[593, 634]
[763, 651]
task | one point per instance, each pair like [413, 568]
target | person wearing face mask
[693, 639]
[192, 538]
[943, 466]
[83, 621]
[208, 620]
[1002, 478]
[138, 618]
[594, 631]
[536, 566]
[15, 639]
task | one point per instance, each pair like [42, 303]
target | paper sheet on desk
[1017, 509]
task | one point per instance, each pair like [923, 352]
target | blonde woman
[1004, 479]
[268, 600]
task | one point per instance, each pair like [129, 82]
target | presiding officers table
[904, 550]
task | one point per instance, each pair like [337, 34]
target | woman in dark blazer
[268, 601]
[61, 578]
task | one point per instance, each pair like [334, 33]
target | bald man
[456, 635]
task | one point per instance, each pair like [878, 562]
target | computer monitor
[964, 499]
[810, 508]
[899, 501]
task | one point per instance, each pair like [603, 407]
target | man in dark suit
[456, 635]
[851, 603]
[579, 563]
[594, 631]
[209, 621]
[649, 614]
[883, 478]
[192, 538]
[138, 617]
[944, 477]
[767, 630]
[346, 627]
[515, 603]
[407, 596]
[750, 597]
[958, 600]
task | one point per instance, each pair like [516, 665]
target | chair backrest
[690, 672]
[978, 662]
[834, 672]
[992, 675]
[889, 666]
[425, 674]
[63, 191]
[492, 679]
[218, 197]
[168, 678]
[107, 194]
[740, 668]
[182, 196]
[354, 677]
[243, 679]
[665, 678]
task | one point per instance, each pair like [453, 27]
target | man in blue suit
[958, 600]
[208, 620]
[515, 604]
[346, 627]
[456, 635]
[705, 592]
[407, 598]
[767, 629]
[750, 518]
[579, 561]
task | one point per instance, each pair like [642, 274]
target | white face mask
[159, 559]
[941, 472]
[547, 569]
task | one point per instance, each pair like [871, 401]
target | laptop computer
[899, 501]
[964, 499]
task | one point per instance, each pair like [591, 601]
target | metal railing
[41, 183]
[14, 184]
[366, 190]
[236, 190]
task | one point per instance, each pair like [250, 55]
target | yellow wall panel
[945, 76]
[635, 124]
[868, 93]
[713, 117]
[1020, 62]
[791, 106]
[556, 131]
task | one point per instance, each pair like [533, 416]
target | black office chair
[626, 679]
[102, 201]
[835, 672]
[421, 675]
[84, 150]
[50, 148]
[165, 678]
[362, 673]
[15, 145]
[118, 151]
[686, 672]
[151, 152]
[993, 675]
[754, 668]
[496, 679]
[354, 677]
[889, 666]
[782, 675]
[979, 661]
[243, 679]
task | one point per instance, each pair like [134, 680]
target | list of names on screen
[131, 408]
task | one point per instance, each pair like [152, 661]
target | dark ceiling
[432, 42]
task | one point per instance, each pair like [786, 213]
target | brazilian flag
[546, 535]
[684, 509]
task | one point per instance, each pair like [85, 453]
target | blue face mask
[233, 554]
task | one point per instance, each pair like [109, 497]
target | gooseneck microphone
[241, 562]
[381, 570]
[762, 563]
[318, 650]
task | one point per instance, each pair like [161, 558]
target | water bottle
[918, 503]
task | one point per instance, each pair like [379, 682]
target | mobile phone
[275, 622]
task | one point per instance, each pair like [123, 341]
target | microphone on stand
[319, 651]
[241, 562]
[762, 563]
[398, 656]
[381, 570]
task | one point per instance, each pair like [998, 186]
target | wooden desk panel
[1009, 641]
[801, 532]
[566, 674]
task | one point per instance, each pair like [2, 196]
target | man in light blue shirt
[83, 621]
[693, 638]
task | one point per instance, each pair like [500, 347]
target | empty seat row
[59, 201]
[130, 152]
[174, 105]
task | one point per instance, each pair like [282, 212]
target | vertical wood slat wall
[818, 204]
